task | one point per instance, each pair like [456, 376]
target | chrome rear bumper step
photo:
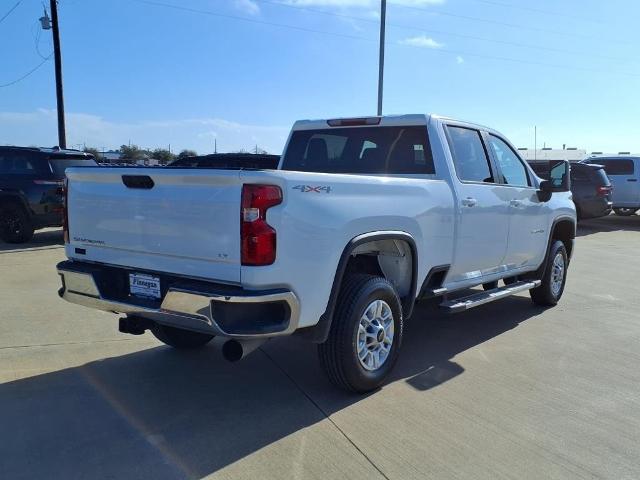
[477, 299]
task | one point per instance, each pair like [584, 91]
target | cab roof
[413, 119]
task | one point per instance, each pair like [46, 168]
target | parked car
[590, 188]
[229, 160]
[362, 218]
[31, 184]
[624, 173]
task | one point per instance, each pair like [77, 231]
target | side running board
[477, 299]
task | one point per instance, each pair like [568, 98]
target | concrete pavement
[503, 391]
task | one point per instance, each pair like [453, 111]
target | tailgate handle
[138, 181]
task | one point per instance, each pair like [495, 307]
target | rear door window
[469, 155]
[360, 150]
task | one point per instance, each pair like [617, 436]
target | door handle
[515, 203]
[469, 202]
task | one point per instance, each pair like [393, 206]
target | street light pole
[62, 134]
[383, 16]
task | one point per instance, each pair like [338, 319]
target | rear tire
[179, 338]
[365, 336]
[625, 212]
[15, 224]
[555, 277]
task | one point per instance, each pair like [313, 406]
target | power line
[444, 32]
[28, 73]
[537, 10]
[355, 37]
[245, 19]
[10, 10]
[504, 24]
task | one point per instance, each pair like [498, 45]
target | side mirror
[559, 180]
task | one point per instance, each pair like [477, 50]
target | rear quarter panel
[321, 213]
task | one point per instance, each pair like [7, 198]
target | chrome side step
[477, 299]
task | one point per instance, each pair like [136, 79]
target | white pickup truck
[362, 218]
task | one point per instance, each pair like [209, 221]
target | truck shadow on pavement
[611, 223]
[49, 238]
[159, 413]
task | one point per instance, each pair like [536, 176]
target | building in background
[571, 154]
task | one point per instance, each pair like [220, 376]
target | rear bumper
[196, 305]
[594, 208]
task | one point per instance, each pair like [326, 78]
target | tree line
[132, 153]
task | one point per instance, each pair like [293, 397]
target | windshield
[59, 165]
[360, 150]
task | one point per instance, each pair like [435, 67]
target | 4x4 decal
[313, 188]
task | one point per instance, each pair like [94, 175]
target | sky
[188, 73]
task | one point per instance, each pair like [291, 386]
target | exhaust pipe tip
[234, 350]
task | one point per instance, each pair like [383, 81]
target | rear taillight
[258, 238]
[603, 191]
[65, 210]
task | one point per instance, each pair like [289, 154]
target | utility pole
[62, 134]
[535, 142]
[383, 18]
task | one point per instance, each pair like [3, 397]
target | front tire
[15, 224]
[365, 336]
[179, 338]
[555, 277]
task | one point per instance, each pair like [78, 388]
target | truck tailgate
[171, 220]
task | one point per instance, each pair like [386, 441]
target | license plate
[143, 285]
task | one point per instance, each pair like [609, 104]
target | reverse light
[257, 237]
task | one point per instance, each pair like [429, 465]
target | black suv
[31, 188]
[590, 187]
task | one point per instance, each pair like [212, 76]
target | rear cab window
[360, 150]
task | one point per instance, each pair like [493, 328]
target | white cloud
[459, 60]
[248, 6]
[39, 128]
[422, 41]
